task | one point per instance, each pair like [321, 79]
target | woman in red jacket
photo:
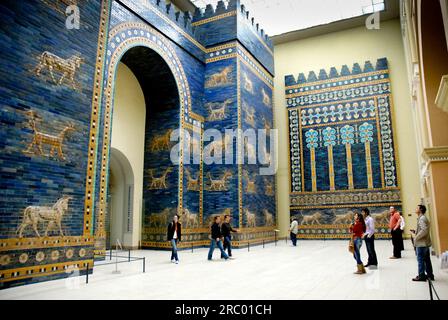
[357, 230]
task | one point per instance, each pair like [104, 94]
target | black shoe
[419, 279]
[431, 277]
[367, 265]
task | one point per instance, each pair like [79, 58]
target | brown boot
[360, 269]
[363, 269]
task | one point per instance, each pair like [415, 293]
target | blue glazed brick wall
[216, 202]
[256, 199]
[156, 13]
[252, 36]
[327, 106]
[30, 28]
[233, 22]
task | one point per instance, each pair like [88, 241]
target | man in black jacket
[216, 238]
[226, 230]
[174, 235]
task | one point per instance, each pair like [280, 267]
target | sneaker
[172, 261]
[417, 278]
[177, 262]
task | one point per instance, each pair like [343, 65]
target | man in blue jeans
[226, 230]
[422, 243]
[216, 238]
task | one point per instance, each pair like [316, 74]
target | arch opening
[145, 110]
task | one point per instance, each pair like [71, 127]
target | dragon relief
[158, 183]
[55, 142]
[251, 186]
[219, 185]
[192, 183]
[217, 110]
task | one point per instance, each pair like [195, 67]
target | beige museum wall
[128, 136]
[334, 50]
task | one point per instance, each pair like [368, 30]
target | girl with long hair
[357, 229]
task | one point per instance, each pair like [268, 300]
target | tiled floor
[313, 270]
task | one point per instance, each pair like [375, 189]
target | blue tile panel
[154, 13]
[33, 105]
[225, 24]
[342, 150]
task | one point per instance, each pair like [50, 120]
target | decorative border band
[215, 18]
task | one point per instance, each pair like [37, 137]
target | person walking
[369, 239]
[226, 231]
[357, 230]
[294, 230]
[174, 235]
[422, 242]
[216, 239]
[396, 233]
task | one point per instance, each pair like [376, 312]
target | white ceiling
[281, 16]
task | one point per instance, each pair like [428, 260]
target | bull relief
[66, 68]
[342, 151]
[221, 78]
[51, 215]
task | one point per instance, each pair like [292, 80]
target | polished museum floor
[313, 270]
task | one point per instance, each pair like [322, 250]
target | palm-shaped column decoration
[348, 139]
[366, 134]
[329, 136]
[312, 138]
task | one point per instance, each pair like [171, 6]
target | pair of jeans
[293, 239]
[370, 245]
[357, 253]
[212, 248]
[397, 242]
[424, 263]
[228, 246]
[174, 250]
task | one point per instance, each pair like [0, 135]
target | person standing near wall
[294, 230]
[422, 242]
[174, 235]
[369, 238]
[216, 238]
[226, 230]
[397, 234]
[357, 230]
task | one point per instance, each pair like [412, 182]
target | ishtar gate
[117, 115]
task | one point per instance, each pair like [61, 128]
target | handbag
[351, 246]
